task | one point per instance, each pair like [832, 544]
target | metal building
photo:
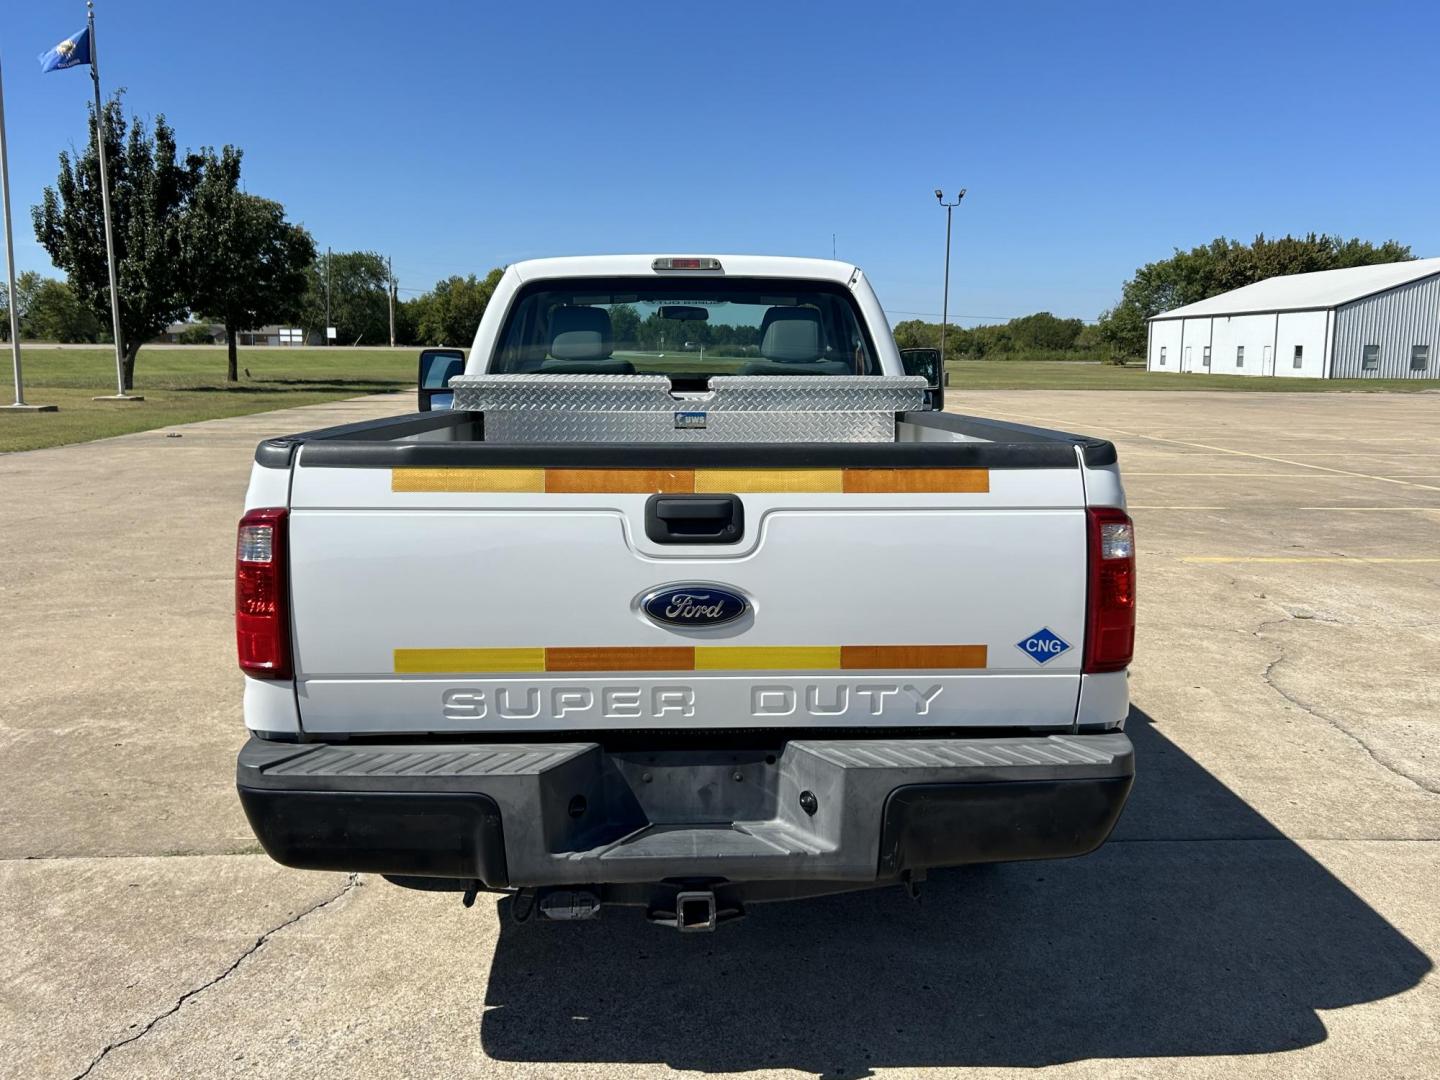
[1366, 322]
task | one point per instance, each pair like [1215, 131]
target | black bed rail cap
[279, 452]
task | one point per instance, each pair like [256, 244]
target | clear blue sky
[1092, 137]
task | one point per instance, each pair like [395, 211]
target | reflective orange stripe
[929, 657]
[656, 658]
[917, 480]
[620, 481]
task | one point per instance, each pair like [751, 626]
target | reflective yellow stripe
[767, 658]
[466, 661]
[467, 480]
[769, 481]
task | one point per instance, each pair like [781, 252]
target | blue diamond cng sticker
[1043, 646]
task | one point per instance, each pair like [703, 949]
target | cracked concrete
[1267, 905]
[351, 882]
[99, 951]
[1302, 615]
[1385, 760]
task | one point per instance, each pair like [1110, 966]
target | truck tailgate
[509, 599]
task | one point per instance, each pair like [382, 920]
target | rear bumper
[841, 811]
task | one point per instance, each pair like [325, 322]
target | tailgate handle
[694, 519]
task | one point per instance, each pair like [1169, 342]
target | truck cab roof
[777, 266]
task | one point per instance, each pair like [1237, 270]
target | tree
[1222, 265]
[49, 311]
[25, 285]
[247, 263]
[449, 313]
[407, 320]
[918, 334]
[149, 189]
[359, 296]
[624, 325]
[1044, 331]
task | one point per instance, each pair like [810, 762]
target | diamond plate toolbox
[537, 408]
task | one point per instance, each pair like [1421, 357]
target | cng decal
[1043, 646]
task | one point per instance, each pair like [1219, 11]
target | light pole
[945, 303]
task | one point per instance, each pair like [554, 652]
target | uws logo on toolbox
[1043, 646]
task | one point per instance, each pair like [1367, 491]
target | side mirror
[926, 363]
[437, 368]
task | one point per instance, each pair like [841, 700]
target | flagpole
[10, 266]
[120, 394]
[19, 405]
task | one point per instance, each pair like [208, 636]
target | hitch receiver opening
[694, 911]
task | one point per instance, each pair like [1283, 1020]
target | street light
[945, 304]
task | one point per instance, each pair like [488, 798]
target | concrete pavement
[1267, 906]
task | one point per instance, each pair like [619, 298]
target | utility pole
[327, 295]
[945, 303]
[390, 272]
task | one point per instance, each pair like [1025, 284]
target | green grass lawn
[185, 384]
[182, 385]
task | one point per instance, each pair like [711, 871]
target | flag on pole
[72, 52]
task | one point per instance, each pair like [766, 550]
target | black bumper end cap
[936, 825]
[407, 834]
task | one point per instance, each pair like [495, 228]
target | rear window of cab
[684, 328]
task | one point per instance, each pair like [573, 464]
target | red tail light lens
[1110, 601]
[262, 595]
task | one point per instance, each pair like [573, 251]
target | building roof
[1303, 292]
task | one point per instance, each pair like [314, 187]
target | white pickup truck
[688, 602]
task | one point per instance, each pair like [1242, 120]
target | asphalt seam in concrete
[351, 883]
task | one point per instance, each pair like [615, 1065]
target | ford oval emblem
[693, 605]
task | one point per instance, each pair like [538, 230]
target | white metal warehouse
[1366, 322]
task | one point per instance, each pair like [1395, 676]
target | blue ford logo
[694, 605]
